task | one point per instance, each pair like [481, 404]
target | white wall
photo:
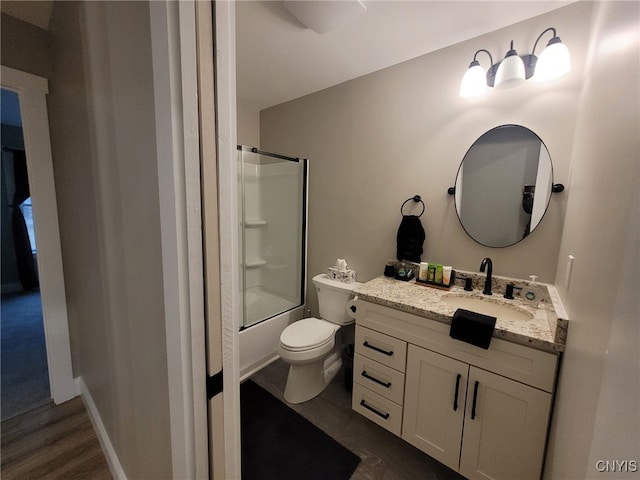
[597, 413]
[248, 125]
[377, 140]
[25, 47]
[103, 137]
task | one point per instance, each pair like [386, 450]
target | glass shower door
[273, 192]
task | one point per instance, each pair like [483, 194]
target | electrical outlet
[567, 271]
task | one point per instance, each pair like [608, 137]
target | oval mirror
[503, 186]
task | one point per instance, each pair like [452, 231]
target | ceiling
[279, 59]
[36, 12]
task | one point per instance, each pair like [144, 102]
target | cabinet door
[433, 414]
[505, 428]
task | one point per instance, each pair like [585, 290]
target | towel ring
[415, 198]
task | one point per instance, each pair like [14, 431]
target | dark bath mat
[280, 444]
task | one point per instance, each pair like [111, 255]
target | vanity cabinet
[436, 390]
[378, 376]
[483, 413]
[504, 422]
[505, 428]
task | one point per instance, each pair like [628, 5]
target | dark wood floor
[52, 442]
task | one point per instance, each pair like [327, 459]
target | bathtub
[259, 342]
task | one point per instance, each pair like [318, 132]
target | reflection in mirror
[503, 186]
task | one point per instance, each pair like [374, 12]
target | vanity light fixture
[476, 80]
[513, 70]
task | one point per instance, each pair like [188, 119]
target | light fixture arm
[491, 71]
[550, 29]
[485, 51]
[530, 61]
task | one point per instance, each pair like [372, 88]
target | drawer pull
[373, 379]
[475, 399]
[455, 398]
[368, 345]
[368, 407]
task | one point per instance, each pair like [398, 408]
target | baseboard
[256, 367]
[103, 437]
[11, 288]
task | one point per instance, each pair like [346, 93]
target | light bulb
[474, 81]
[511, 70]
[554, 61]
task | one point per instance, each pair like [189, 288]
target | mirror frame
[555, 188]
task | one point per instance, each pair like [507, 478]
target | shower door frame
[305, 212]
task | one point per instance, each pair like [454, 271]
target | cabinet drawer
[378, 409]
[382, 348]
[518, 362]
[379, 378]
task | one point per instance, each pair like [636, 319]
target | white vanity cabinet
[378, 378]
[483, 413]
[505, 428]
[436, 390]
[504, 421]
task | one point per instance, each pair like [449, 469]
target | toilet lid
[307, 333]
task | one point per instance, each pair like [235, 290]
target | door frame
[186, 187]
[224, 31]
[174, 61]
[32, 92]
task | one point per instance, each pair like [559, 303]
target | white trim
[194, 238]
[103, 437]
[174, 70]
[32, 92]
[228, 218]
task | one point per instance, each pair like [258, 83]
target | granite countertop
[545, 330]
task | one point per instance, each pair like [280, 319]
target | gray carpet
[23, 359]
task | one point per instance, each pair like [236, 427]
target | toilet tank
[332, 299]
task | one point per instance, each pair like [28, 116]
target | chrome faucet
[486, 262]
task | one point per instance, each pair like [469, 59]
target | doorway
[24, 375]
[31, 91]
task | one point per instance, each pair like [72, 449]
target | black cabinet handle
[368, 407]
[475, 399]
[368, 345]
[455, 398]
[373, 379]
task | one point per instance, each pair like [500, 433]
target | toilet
[309, 345]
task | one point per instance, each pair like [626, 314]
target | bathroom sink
[488, 307]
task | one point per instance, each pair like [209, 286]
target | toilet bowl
[310, 346]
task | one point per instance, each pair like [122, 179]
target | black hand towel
[410, 238]
[472, 327]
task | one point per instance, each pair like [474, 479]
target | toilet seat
[307, 334]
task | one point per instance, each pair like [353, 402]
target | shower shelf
[276, 266]
[254, 223]
[256, 263]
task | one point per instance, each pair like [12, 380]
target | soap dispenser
[528, 292]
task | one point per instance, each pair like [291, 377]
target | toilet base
[306, 381]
